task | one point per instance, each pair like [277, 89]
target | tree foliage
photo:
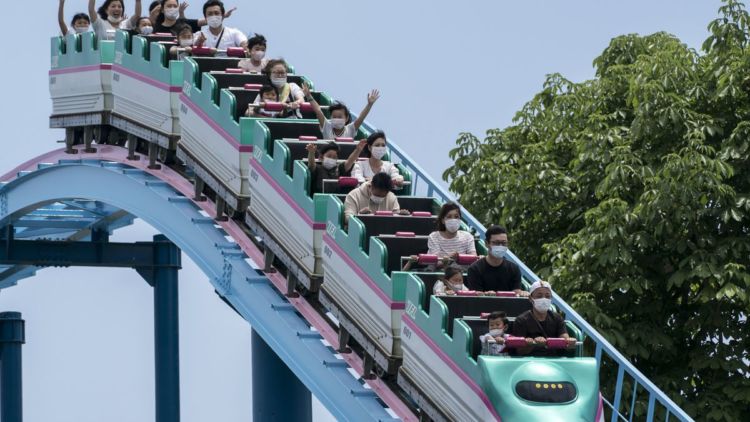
[630, 192]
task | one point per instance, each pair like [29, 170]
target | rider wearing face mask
[78, 25]
[255, 54]
[340, 125]
[374, 164]
[329, 166]
[494, 273]
[110, 17]
[448, 241]
[540, 323]
[373, 196]
[215, 34]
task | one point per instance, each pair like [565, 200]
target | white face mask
[214, 21]
[452, 224]
[338, 123]
[184, 42]
[82, 29]
[113, 20]
[542, 304]
[172, 13]
[278, 82]
[330, 163]
[147, 30]
[499, 251]
[258, 55]
[455, 286]
[496, 332]
[377, 199]
[378, 152]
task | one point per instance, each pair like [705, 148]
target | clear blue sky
[442, 67]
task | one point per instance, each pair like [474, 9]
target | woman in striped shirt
[448, 241]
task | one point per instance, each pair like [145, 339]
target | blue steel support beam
[237, 279]
[12, 336]
[166, 330]
[278, 395]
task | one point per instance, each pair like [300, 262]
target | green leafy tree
[630, 193]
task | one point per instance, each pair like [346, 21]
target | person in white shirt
[111, 16]
[79, 24]
[364, 170]
[255, 52]
[340, 124]
[452, 282]
[215, 34]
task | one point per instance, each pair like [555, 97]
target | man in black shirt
[494, 273]
[539, 324]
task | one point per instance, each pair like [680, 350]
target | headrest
[421, 214]
[467, 293]
[462, 259]
[348, 182]
[162, 34]
[384, 213]
[426, 259]
[253, 87]
[236, 52]
[340, 139]
[506, 294]
[405, 234]
[306, 107]
[308, 138]
[234, 70]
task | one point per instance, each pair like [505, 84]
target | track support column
[166, 330]
[278, 395]
[12, 336]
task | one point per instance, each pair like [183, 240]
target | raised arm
[371, 98]
[137, 15]
[154, 15]
[61, 18]
[352, 159]
[92, 11]
[311, 149]
[316, 108]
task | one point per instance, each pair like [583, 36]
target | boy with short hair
[493, 343]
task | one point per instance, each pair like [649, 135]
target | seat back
[463, 306]
[401, 246]
[243, 97]
[298, 151]
[417, 203]
[161, 38]
[225, 80]
[211, 64]
[377, 225]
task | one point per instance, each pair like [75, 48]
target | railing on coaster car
[423, 184]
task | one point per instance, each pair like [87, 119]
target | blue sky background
[89, 351]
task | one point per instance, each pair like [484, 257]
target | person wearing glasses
[289, 92]
[494, 273]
